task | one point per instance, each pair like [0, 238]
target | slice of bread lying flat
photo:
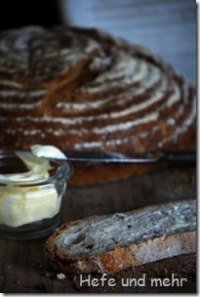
[110, 243]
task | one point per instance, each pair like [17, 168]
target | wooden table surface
[23, 267]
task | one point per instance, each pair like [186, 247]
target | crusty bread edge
[121, 258]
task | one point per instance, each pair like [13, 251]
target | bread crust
[124, 257]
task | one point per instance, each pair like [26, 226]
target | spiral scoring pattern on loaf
[83, 90]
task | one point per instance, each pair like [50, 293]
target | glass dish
[30, 209]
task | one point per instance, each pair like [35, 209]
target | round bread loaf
[82, 89]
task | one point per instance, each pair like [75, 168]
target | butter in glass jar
[31, 194]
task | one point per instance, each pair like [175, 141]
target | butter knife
[127, 157]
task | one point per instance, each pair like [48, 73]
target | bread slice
[110, 243]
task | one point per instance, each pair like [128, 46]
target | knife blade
[127, 157]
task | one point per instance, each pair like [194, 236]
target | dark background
[167, 28]
[20, 13]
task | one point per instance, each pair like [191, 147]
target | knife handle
[179, 156]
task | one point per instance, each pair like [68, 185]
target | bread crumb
[60, 276]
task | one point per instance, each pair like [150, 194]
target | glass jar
[30, 209]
